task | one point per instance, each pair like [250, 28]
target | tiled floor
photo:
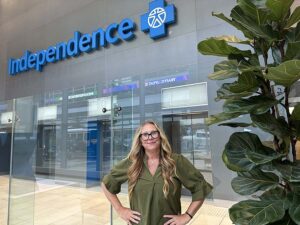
[3, 199]
[59, 203]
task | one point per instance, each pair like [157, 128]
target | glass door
[125, 118]
[22, 178]
[189, 136]
[5, 151]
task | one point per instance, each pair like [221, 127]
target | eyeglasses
[145, 136]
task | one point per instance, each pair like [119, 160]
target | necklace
[152, 161]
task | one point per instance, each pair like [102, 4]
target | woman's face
[150, 138]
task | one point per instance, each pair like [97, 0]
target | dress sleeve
[117, 176]
[192, 179]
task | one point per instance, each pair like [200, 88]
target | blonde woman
[155, 176]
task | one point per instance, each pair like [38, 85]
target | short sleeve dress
[148, 197]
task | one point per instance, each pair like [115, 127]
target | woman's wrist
[189, 215]
[118, 208]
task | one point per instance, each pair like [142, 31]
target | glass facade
[80, 130]
[75, 136]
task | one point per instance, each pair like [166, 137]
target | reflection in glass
[22, 175]
[189, 135]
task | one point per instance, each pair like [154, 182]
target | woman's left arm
[193, 208]
[194, 181]
[187, 216]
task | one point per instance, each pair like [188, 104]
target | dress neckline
[148, 170]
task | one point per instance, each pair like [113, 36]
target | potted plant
[266, 61]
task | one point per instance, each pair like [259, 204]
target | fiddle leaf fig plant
[258, 72]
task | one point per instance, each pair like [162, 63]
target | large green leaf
[212, 46]
[277, 127]
[293, 34]
[287, 220]
[280, 8]
[237, 161]
[224, 70]
[246, 82]
[259, 15]
[256, 156]
[290, 171]
[293, 51]
[230, 68]
[247, 183]
[294, 210]
[267, 167]
[224, 93]
[244, 151]
[252, 212]
[276, 194]
[255, 104]
[217, 118]
[235, 24]
[246, 85]
[285, 74]
[263, 31]
[270, 124]
[251, 145]
[294, 18]
[234, 155]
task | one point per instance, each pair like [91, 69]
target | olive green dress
[148, 198]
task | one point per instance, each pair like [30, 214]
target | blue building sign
[167, 80]
[157, 18]
[80, 43]
[120, 88]
[155, 21]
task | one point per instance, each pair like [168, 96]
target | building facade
[70, 115]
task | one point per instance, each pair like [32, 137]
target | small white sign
[47, 113]
[184, 96]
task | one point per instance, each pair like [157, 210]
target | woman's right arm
[125, 213]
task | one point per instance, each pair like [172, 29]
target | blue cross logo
[157, 18]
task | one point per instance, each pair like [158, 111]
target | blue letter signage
[75, 46]
[155, 21]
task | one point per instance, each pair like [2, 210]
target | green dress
[148, 198]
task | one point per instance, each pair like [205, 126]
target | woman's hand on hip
[177, 219]
[129, 215]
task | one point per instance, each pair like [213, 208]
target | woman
[155, 176]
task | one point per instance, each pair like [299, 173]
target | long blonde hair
[137, 154]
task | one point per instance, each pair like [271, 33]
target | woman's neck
[152, 155]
